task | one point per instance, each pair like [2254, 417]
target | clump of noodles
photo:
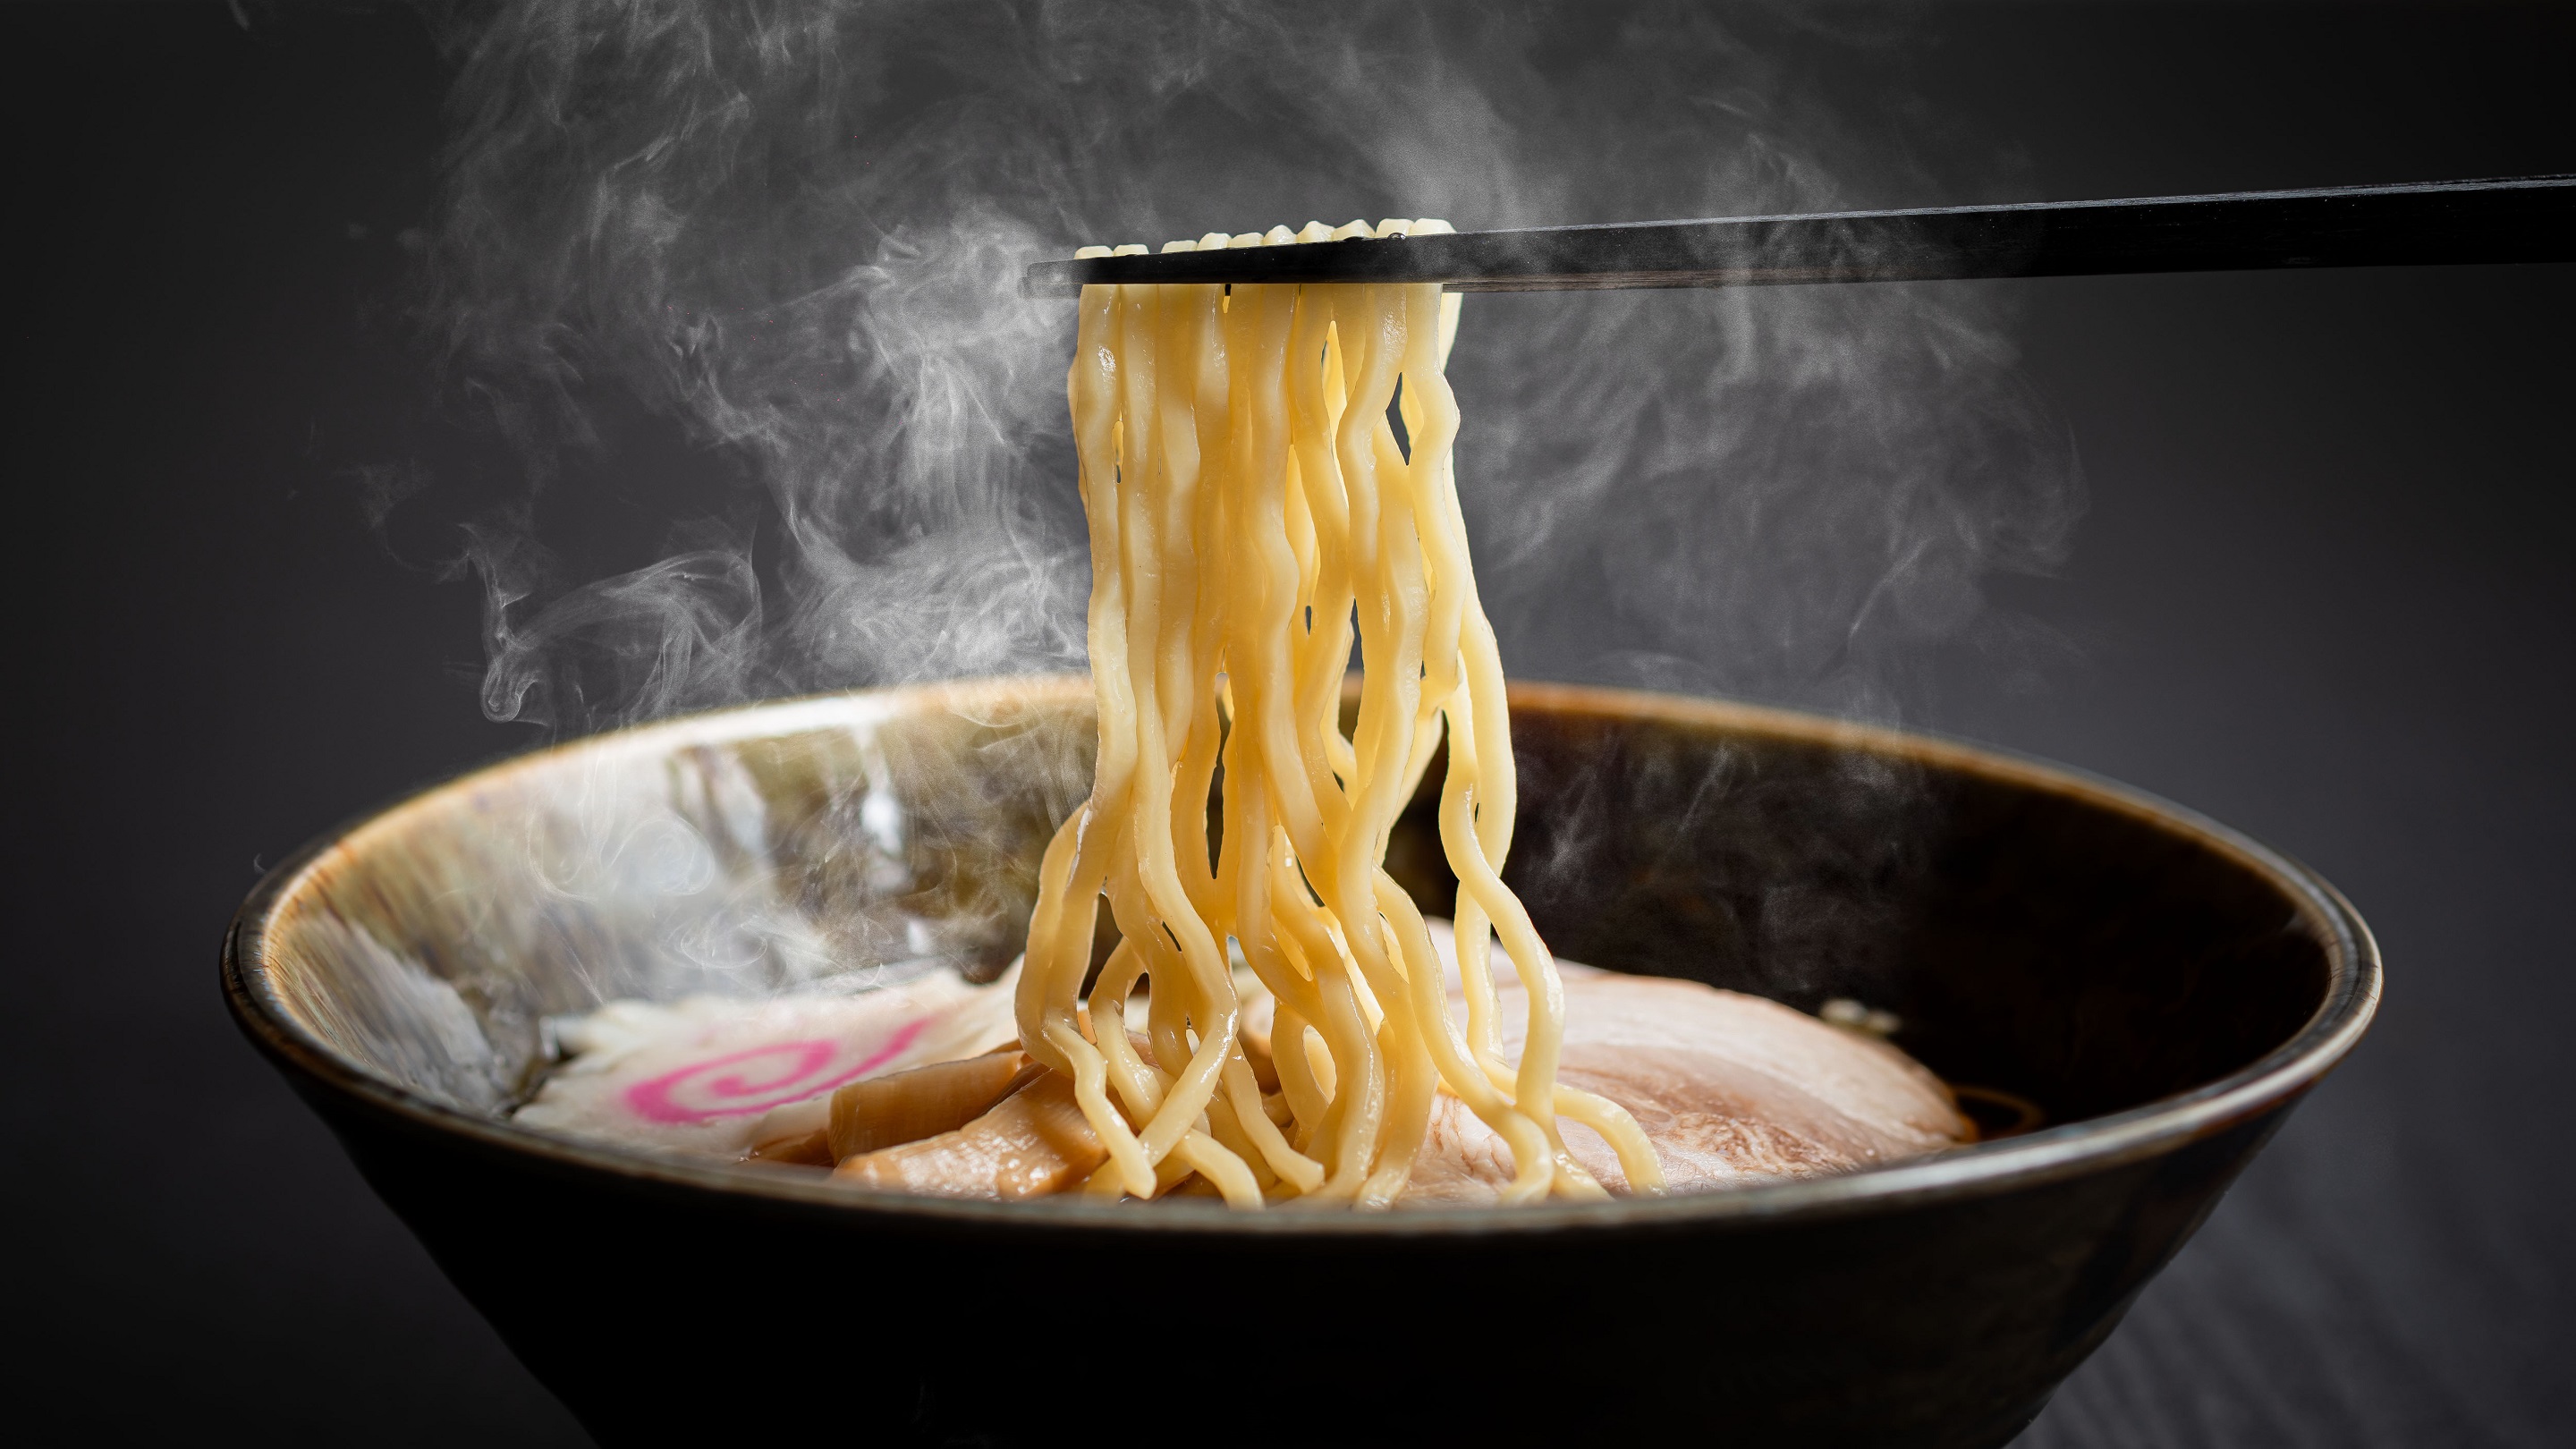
[1250, 504]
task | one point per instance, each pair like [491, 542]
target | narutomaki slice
[719, 1076]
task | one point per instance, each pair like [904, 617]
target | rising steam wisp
[792, 232]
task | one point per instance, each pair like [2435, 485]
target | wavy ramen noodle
[1251, 505]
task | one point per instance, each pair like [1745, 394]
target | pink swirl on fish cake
[770, 1075]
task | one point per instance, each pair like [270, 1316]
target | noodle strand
[1253, 516]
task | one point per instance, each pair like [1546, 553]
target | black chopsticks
[2518, 219]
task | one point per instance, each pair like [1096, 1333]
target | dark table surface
[2321, 592]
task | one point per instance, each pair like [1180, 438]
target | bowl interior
[2034, 931]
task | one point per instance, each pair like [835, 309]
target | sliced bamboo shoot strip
[814, 1149]
[888, 1111]
[1035, 1143]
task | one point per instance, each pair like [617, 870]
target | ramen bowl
[2161, 989]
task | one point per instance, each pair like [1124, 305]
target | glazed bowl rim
[2073, 1149]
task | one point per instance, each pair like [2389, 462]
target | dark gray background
[2321, 594]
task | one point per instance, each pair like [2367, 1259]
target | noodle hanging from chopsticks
[1250, 505]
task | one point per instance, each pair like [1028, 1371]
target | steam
[791, 232]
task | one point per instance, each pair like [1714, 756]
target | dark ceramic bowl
[2163, 988]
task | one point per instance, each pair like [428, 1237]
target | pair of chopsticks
[2519, 219]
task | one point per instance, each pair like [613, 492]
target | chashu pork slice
[1728, 1088]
